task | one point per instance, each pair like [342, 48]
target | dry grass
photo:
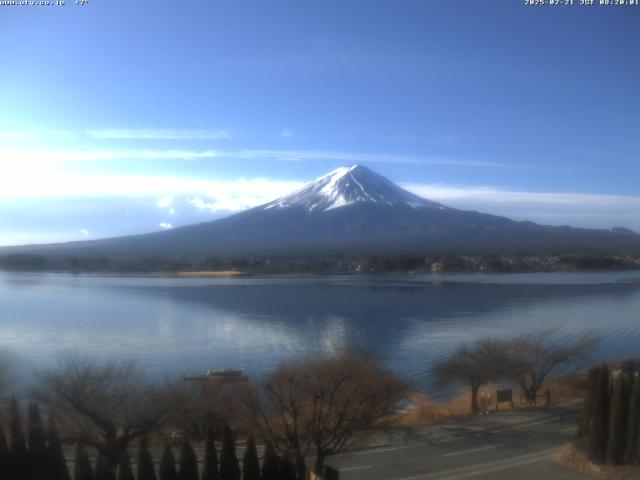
[567, 388]
[428, 411]
[563, 389]
[572, 458]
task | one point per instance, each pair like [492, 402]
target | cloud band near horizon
[128, 204]
[58, 156]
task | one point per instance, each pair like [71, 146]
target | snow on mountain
[346, 186]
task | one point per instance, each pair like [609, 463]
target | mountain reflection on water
[176, 325]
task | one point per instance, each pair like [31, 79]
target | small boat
[212, 374]
[226, 372]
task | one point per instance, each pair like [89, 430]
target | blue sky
[121, 117]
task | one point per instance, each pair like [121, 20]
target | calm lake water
[173, 326]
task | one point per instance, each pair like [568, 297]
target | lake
[178, 325]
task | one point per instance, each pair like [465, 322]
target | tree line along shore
[114, 423]
[324, 264]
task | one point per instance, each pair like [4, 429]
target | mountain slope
[353, 210]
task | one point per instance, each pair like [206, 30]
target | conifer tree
[168, 465]
[83, 470]
[103, 470]
[20, 465]
[288, 470]
[145, 469]
[250, 463]
[210, 463]
[124, 468]
[57, 465]
[618, 422]
[229, 468]
[633, 430]
[585, 417]
[598, 429]
[188, 462]
[270, 464]
[37, 444]
[4, 456]
[99, 470]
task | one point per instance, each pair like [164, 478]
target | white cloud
[445, 193]
[287, 133]
[554, 208]
[166, 226]
[164, 202]
[160, 134]
[50, 156]
[84, 231]
[230, 195]
[242, 194]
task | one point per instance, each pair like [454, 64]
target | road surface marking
[525, 425]
[434, 442]
[495, 465]
[351, 469]
[488, 447]
[446, 438]
[378, 450]
[497, 468]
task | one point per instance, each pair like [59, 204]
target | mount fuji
[352, 210]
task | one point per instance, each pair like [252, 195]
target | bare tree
[315, 407]
[199, 409]
[105, 405]
[530, 358]
[474, 365]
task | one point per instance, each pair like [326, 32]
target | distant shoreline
[202, 274]
[363, 264]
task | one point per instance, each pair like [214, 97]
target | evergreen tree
[210, 463]
[598, 429]
[270, 464]
[57, 465]
[103, 469]
[124, 468]
[168, 465]
[83, 470]
[618, 422]
[586, 415]
[188, 462]
[229, 468]
[37, 444]
[288, 470]
[250, 464]
[4, 456]
[633, 430]
[20, 465]
[145, 462]
[99, 471]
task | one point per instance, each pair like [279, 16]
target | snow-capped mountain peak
[347, 186]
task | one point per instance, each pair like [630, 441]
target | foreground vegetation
[608, 439]
[303, 410]
[117, 421]
[610, 422]
[526, 361]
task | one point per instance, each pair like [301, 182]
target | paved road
[505, 445]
